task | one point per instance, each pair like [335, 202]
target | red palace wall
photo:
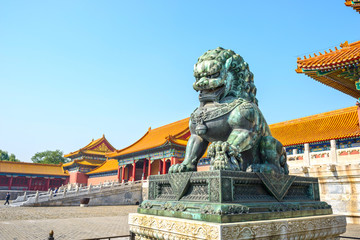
[78, 177]
[30, 183]
[98, 180]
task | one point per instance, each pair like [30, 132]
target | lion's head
[222, 76]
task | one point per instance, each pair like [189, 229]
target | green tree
[49, 157]
[4, 156]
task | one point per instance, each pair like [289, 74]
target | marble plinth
[150, 227]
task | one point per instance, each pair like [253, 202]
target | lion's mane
[243, 84]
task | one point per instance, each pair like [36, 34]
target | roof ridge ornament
[345, 44]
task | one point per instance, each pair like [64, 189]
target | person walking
[7, 198]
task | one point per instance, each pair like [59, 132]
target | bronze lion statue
[229, 118]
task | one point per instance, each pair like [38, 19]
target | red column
[118, 174]
[164, 166]
[30, 180]
[11, 180]
[122, 172]
[171, 161]
[149, 168]
[144, 169]
[47, 184]
[133, 171]
[160, 166]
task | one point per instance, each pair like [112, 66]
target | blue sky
[71, 71]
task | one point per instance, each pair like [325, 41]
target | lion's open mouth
[211, 94]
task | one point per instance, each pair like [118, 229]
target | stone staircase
[113, 193]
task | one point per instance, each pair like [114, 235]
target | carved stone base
[233, 196]
[150, 227]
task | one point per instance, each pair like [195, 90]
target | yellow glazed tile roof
[99, 146]
[355, 4]
[107, 166]
[337, 124]
[334, 68]
[342, 123]
[86, 162]
[347, 54]
[32, 168]
[175, 132]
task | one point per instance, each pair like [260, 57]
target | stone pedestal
[234, 205]
[146, 227]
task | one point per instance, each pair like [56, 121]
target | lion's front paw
[221, 157]
[177, 168]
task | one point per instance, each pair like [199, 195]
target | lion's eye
[216, 75]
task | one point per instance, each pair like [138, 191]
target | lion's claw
[222, 156]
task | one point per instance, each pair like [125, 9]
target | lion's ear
[228, 63]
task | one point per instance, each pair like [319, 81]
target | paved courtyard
[67, 222]
[74, 222]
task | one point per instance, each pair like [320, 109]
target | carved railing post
[37, 196]
[333, 152]
[89, 188]
[64, 194]
[307, 154]
[51, 195]
[295, 151]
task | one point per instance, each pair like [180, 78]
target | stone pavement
[76, 228]
[67, 222]
[27, 223]
[352, 230]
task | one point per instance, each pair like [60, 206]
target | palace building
[31, 176]
[333, 141]
[153, 153]
[86, 159]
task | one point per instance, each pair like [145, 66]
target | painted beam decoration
[337, 68]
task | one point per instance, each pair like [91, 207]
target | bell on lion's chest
[201, 129]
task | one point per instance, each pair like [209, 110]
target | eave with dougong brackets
[165, 141]
[337, 68]
[355, 4]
